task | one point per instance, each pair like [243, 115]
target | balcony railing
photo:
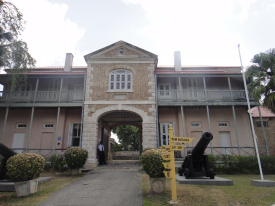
[225, 95]
[41, 96]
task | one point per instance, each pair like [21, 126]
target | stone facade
[99, 100]
[269, 132]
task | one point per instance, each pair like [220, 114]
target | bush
[76, 157]
[55, 162]
[151, 161]
[229, 164]
[25, 166]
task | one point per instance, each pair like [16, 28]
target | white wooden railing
[41, 96]
[201, 95]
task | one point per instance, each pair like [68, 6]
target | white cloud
[48, 34]
[197, 28]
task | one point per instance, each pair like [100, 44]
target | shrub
[151, 161]
[57, 162]
[229, 164]
[76, 157]
[25, 166]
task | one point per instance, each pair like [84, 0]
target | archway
[121, 118]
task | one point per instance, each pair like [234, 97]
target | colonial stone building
[122, 84]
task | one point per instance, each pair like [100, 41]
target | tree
[13, 52]
[128, 136]
[261, 78]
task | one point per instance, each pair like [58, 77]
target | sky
[206, 32]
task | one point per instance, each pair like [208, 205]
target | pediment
[120, 49]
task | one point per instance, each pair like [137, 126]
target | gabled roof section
[112, 50]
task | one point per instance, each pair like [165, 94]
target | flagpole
[251, 121]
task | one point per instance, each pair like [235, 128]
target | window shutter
[70, 134]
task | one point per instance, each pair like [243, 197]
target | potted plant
[24, 169]
[151, 161]
[75, 158]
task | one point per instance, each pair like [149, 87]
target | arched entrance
[110, 120]
[108, 117]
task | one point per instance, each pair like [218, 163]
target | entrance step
[125, 155]
[132, 157]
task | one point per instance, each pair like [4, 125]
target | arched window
[120, 79]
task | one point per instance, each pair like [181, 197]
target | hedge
[229, 164]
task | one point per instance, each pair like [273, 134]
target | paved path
[115, 184]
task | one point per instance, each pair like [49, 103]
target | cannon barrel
[200, 147]
[6, 152]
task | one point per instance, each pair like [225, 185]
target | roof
[264, 112]
[107, 47]
[56, 70]
[199, 69]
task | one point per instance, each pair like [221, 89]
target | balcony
[201, 95]
[40, 96]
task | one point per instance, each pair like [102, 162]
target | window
[164, 132]
[120, 79]
[223, 124]
[74, 134]
[265, 123]
[21, 125]
[195, 124]
[48, 125]
[164, 89]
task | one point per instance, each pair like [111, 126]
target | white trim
[119, 102]
[22, 124]
[226, 124]
[164, 92]
[44, 125]
[166, 132]
[117, 80]
[198, 124]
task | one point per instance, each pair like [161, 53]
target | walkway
[115, 184]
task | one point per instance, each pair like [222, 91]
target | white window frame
[44, 125]
[199, 124]
[227, 124]
[193, 88]
[53, 83]
[166, 132]
[116, 81]
[70, 134]
[164, 92]
[22, 124]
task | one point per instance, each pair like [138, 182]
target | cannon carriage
[6, 153]
[196, 163]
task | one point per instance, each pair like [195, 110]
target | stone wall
[125, 153]
[269, 132]
[99, 101]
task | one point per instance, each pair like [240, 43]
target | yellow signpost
[169, 156]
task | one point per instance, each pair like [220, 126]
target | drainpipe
[157, 110]
[82, 113]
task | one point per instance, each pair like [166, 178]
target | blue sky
[206, 32]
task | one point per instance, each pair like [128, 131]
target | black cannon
[196, 163]
[6, 153]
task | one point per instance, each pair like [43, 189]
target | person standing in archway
[101, 154]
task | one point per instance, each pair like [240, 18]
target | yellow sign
[166, 156]
[170, 156]
[178, 147]
[167, 174]
[167, 165]
[182, 139]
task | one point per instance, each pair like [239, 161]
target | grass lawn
[241, 193]
[43, 192]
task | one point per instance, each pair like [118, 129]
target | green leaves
[25, 166]
[13, 52]
[151, 161]
[261, 79]
[76, 157]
